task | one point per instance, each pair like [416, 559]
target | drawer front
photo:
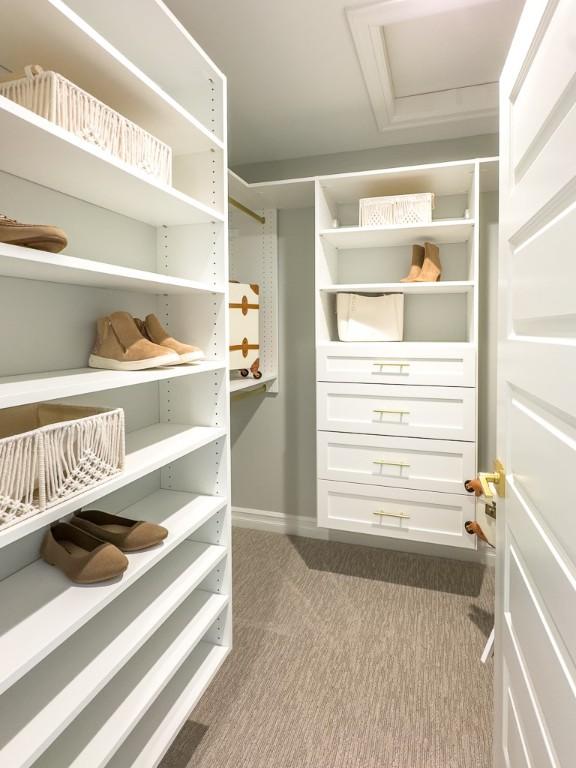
[447, 413]
[396, 512]
[400, 462]
[394, 364]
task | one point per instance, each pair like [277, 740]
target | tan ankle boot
[153, 330]
[431, 269]
[120, 346]
[417, 261]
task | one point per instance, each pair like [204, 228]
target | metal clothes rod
[247, 211]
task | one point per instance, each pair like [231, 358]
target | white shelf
[30, 264]
[38, 708]
[101, 728]
[35, 387]
[62, 41]
[147, 449]
[152, 736]
[70, 165]
[442, 232]
[41, 608]
[242, 385]
[447, 286]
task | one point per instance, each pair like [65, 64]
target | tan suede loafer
[120, 346]
[85, 559]
[128, 535]
[152, 329]
[42, 237]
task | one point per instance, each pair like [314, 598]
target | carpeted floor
[347, 657]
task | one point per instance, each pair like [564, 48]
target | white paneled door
[536, 582]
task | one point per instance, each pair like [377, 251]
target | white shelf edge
[31, 264]
[442, 286]
[33, 388]
[72, 605]
[147, 449]
[244, 385]
[437, 224]
[154, 733]
[92, 670]
[108, 720]
[139, 76]
[140, 184]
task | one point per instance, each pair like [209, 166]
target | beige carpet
[347, 657]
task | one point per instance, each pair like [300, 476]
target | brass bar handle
[383, 513]
[389, 410]
[386, 364]
[391, 463]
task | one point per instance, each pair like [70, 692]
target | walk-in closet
[287, 375]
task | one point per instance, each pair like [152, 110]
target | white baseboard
[298, 525]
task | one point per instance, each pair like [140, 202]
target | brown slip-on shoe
[153, 330]
[128, 535]
[42, 237]
[120, 346]
[82, 557]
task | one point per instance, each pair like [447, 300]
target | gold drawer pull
[383, 513]
[391, 463]
[389, 410]
[386, 364]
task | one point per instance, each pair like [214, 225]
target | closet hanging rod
[247, 211]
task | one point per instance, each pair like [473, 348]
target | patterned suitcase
[244, 329]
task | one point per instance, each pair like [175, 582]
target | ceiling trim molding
[367, 24]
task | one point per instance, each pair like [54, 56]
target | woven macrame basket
[51, 452]
[396, 209]
[55, 98]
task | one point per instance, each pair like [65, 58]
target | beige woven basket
[55, 98]
[396, 209]
[51, 452]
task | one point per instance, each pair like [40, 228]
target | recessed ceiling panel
[458, 49]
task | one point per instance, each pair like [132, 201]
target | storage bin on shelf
[63, 103]
[396, 209]
[370, 318]
[50, 452]
[244, 304]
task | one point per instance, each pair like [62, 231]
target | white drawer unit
[434, 412]
[392, 363]
[401, 462]
[399, 513]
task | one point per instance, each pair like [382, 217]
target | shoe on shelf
[416, 266]
[42, 237]
[81, 557]
[120, 346]
[152, 329]
[431, 269]
[128, 535]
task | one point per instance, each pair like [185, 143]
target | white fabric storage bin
[55, 98]
[396, 209]
[244, 304]
[51, 452]
[370, 318]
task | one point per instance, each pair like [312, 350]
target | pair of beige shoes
[426, 267]
[125, 343]
[90, 548]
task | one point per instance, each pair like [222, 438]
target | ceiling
[310, 77]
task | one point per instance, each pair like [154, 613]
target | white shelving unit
[383, 408]
[91, 674]
[253, 251]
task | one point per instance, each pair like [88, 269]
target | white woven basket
[396, 209]
[51, 452]
[55, 98]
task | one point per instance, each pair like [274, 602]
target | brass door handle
[383, 513]
[498, 477]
